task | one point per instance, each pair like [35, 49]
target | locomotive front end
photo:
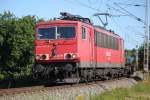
[56, 53]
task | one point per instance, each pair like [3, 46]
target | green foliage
[141, 56]
[131, 53]
[142, 87]
[1, 76]
[116, 94]
[16, 45]
[141, 91]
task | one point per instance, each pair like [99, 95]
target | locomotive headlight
[42, 57]
[37, 57]
[70, 56]
[74, 56]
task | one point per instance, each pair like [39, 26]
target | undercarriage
[71, 72]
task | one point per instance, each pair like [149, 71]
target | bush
[16, 45]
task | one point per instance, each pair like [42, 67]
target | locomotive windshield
[56, 33]
[46, 33]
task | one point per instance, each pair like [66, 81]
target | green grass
[141, 91]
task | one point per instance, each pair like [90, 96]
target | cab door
[91, 47]
[85, 47]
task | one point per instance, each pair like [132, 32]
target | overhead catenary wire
[114, 22]
[135, 5]
[130, 14]
[136, 35]
[110, 7]
[127, 12]
[121, 12]
[128, 39]
[135, 30]
[85, 5]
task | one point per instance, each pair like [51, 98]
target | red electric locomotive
[72, 49]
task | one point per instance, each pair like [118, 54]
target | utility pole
[146, 42]
[137, 58]
[149, 32]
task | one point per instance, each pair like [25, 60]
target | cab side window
[84, 33]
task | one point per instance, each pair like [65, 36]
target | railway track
[34, 89]
[65, 91]
[19, 90]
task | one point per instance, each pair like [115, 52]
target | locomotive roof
[56, 21]
[68, 16]
[96, 27]
[104, 29]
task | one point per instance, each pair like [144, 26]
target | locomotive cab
[56, 49]
[56, 42]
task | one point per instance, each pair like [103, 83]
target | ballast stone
[74, 93]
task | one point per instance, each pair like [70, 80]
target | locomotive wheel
[73, 77]
[35, 76]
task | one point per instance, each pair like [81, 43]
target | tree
[141, 56]
[16, 44]
[130, 56]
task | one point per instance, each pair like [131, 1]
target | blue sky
[127, 27]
